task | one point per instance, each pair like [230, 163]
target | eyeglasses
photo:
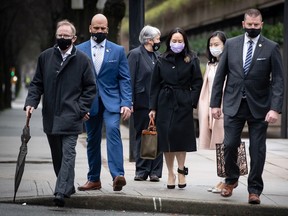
[58, 36]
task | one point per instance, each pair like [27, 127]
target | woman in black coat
[175, 87]
[141, 63]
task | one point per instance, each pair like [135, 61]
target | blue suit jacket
[113, 80]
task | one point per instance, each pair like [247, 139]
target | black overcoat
[141, 67]
[68, 89]
[175, 90]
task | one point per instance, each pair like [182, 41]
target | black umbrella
[25, 137]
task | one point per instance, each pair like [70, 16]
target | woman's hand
[152, 114]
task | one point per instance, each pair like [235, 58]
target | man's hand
[86, 117]
[271, 116]
[125, 112]
[29, 110]
[216, 112]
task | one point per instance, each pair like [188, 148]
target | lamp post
[77, 4]
[285, 65]
[136, 23]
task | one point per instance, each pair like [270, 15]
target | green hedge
[273, 32]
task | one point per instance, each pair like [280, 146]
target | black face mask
[99, 36]
[156, 46]
[252, 33]
[64, 43]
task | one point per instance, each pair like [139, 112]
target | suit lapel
[257, 51]
[107, 51]
[240, 45]
[147, 58]
[88, 49]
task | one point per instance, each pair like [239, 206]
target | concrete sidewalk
[38, 180]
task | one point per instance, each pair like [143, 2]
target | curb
[156, 205]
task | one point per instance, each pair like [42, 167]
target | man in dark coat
[64, 76]
[252, 66]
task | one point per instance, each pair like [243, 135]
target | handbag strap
[152, 126]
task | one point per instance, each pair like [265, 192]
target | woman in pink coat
[211, 131]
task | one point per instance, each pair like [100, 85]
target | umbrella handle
[28, 119]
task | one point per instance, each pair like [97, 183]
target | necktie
[98, 58]
[248, 57]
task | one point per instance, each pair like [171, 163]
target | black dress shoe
[139, 178]
[154, 178]
[59, 200]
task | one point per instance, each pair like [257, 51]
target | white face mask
[216, 51]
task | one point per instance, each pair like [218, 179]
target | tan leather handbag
[149, 144]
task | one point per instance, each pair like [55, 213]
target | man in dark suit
[112, 100]
[252, 66]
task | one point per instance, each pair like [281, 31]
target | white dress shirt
[246, 45]
[97, 51]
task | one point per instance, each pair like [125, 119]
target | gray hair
[148, 32]
[67, 23]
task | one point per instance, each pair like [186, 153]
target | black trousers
[145, 167]
[233, 126]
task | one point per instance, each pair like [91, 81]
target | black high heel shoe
[172, 186]
[183, 172]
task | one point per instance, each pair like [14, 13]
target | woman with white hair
[141, 63]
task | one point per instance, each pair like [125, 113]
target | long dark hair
[221, 35]
[186, 51]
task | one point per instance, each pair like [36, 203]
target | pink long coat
[211, 131]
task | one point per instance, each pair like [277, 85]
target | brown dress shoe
[254, 199]
[228, 189]
[118, 183]
[90, 186]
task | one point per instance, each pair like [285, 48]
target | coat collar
[147, 58]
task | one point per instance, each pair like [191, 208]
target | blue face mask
[177, 47]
